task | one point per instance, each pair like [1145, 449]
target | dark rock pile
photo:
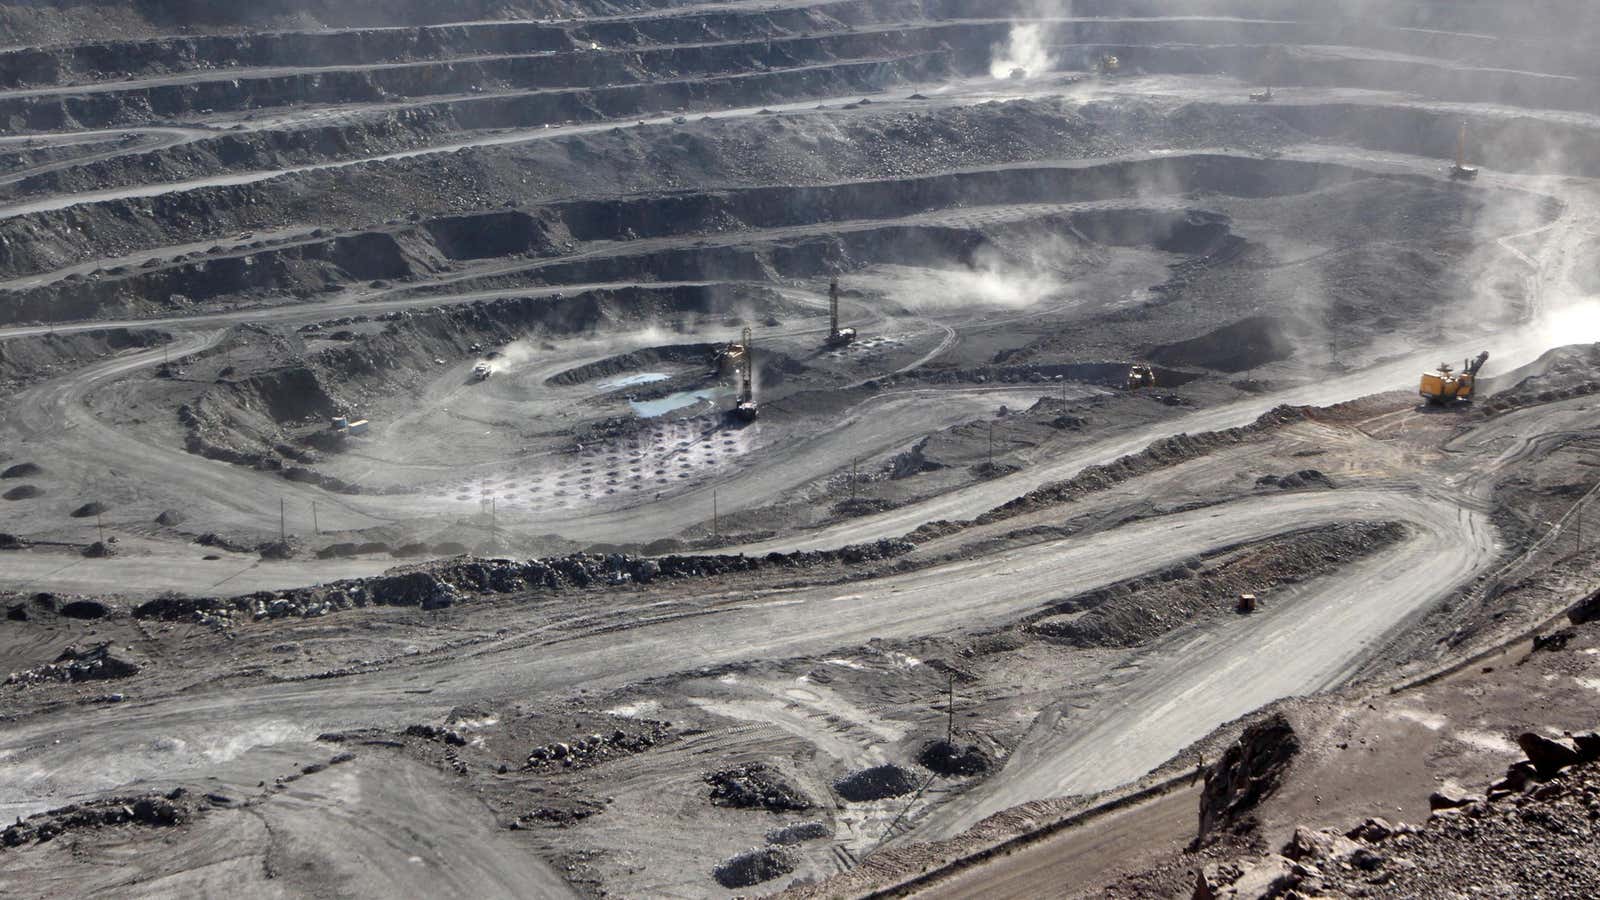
[93, 664]
[798, 833]
[876, 783]
[756, 786]
[1305, 478]
[162, 810]
[445, 583]
[947, 758]
[436, 733]
[755, 866]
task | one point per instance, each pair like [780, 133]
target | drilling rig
[1460, 170]
[745, 409]
[1447, 386]
[837, 337]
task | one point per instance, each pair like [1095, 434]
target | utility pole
[316, 527]
[100, 527]
[714, 529]
[991, 446]
[853, 479]
[950, 705]
[283, 525]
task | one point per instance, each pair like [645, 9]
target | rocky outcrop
[1249, 771]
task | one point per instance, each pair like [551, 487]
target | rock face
[1248, 772]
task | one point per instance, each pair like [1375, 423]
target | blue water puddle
[632, 381]
[649, 409]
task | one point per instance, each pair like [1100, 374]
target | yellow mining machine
[837, 337]
[1262, 96]
[1109, 64]
[1460, 170]
[1448, 386]
[729, 359]
[745, 409]
[1141, 376]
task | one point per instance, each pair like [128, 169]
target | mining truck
[1141, 376]
[837, 337]
[1262, 96]
[1446, 386]
[1460, 170]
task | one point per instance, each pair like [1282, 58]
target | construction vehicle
[1141, 376]
[1108, 64]
[1247, 603]
[482, 371]
[745, 409]
[1262, 96]
[729, 359]
[837, 337]
[1446, 386]
[1460, 170]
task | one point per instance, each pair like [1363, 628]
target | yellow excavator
[1108, 64]
[1448, 386]
[1141, 376]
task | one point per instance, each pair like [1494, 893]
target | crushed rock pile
[93, 664]
[172, 808]
[1305, 478]
[756, 786]
[755, 866]
[443, 584]
[947, 758]
[799, 832]
[876, 783]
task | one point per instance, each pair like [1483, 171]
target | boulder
[1373, 831]
[1312, 844]
[1451, 799]
[1548, 757]
[1585, 610]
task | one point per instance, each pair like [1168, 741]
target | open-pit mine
[837, 448]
